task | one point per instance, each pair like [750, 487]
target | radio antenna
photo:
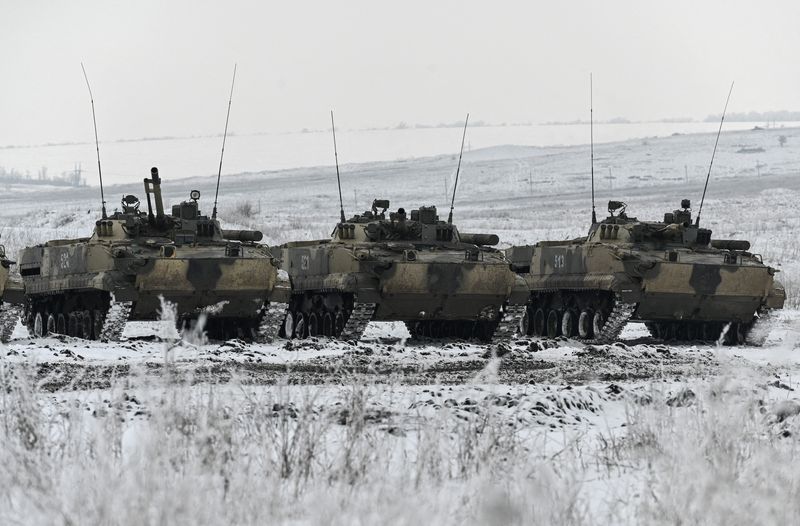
[96, 144]
[713, 153]
[338, 179]
[591, 143]
[458, 169]
[224, 136]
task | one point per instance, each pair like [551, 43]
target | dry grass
[166, 452]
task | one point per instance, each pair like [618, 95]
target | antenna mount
[96, 144]
[713, 153]
[338, 179]
[224, 136]
[458, 170]
[591, 143]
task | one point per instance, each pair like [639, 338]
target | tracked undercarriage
[592, 316]
[94, 316]
[330, 314]
[11, 298]
[9, 316]
[754, 332]
[418, 270]
[135, 262]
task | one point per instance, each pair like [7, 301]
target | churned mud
[67, 364]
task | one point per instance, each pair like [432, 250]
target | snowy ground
[391, 430]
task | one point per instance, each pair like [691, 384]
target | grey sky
[163, 67]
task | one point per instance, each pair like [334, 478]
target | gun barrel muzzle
[243, 235]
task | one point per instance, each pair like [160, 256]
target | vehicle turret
[677, 229]
[185, 225]
[668, 274]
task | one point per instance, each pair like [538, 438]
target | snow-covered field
[395, 431]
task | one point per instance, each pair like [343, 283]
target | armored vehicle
[11, 298]
[90, 287]
[416, 269]
[668, 274]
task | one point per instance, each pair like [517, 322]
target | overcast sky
[162, 67]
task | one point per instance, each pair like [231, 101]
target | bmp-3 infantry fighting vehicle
[90, 287]
[11, 298]
[416, 269]
[669, 274]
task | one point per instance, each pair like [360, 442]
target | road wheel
[38, 325]
[741, 333]
[300, 326]
[525, 322]
[598, 322]
[61, 324]
[327, 324]
[313, 324]
[539, 323]
[553, 321]
[338, 323]
[97, 324]
[86, 325]
[72, 324]
[568, 324]
[585, 324]
[288, 325]
[78, 323]
[51, 324]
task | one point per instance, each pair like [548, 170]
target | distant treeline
[615, 120]
[757, 116]
[71, 178]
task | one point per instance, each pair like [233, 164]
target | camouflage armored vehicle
[90, 287]
[668, 274]
[416, 269]
[11, 298]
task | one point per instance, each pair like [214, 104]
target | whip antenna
[591, 143]
[708, 176]
[224, 136]
[96, 144]
[455, 186]
[338, 179]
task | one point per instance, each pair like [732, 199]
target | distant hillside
[757, 116]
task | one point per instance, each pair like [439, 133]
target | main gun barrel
[243, 235]
[730, 244]
[479, 239]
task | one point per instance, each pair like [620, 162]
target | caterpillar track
[761, 327]
[114, 323]
[357, 321]
[616, 321]
[509, 324]
[271, 322]
[9, 315]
